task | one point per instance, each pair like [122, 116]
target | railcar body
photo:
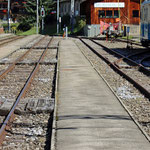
[145, 23]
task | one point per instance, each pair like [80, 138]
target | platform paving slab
[89, 116]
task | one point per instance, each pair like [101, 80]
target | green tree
[30, 10]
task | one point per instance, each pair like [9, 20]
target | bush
[80, 22]
[5, 25]
[12, 25]
[24, 26]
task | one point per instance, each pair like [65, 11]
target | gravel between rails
[15, 53]
[43, 82]
[12, 84]
[10, 47]
[32, 131]
[28, 132]
[138, 105]
[120, 46]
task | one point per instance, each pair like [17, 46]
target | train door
[149, 22]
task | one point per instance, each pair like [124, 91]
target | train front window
[135, 13]
[109, 14]
[101, 13]
[116, 13]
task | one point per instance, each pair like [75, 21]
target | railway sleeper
[40, 47]
[125, 66]
[28, 105]
[49, 62]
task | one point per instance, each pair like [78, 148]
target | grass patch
[29, 32]
[129, 37]
[50, 29]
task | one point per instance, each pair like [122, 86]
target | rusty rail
[144, 59]
[3, 74]
[114, 67]
[129, 41]
[141, 68]
[10, 39]
[10, 116]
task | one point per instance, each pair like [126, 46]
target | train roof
[146, 2]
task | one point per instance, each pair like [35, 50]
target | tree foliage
[30, 10]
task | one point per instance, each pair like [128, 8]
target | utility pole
[8, 13]
[72, 15]
[119, 18]
[37, 16]
[42, 15]
[57, 16]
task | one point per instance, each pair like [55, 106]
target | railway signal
[8, 13]
[42, 15]
[42, 12]
[37, 17]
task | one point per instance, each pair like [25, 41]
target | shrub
[80, 22]
[12, 25]
[24, 26]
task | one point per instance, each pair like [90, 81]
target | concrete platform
[89, 116]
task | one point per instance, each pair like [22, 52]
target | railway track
[129, 42]
[22, 74]
[132, 71]
[9, 39]
[12, 65]
[146, 62]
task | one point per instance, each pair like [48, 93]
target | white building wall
[65, 8]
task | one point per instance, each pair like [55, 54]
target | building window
[108, 13]
[101, 14]
[135, 13]
[116, 13]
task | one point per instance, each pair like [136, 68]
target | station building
[108, 11]
[128, 11]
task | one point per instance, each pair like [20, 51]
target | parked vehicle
[112, 29]
[145, 23]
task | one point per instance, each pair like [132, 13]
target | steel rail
[145, 59]
[119, 40]
[5, 38]
[10, 40]
[114, 67]
[141, 68]
[10, 116]
[11, 67]
[138, 53]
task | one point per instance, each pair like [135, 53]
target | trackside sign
[109, 5]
